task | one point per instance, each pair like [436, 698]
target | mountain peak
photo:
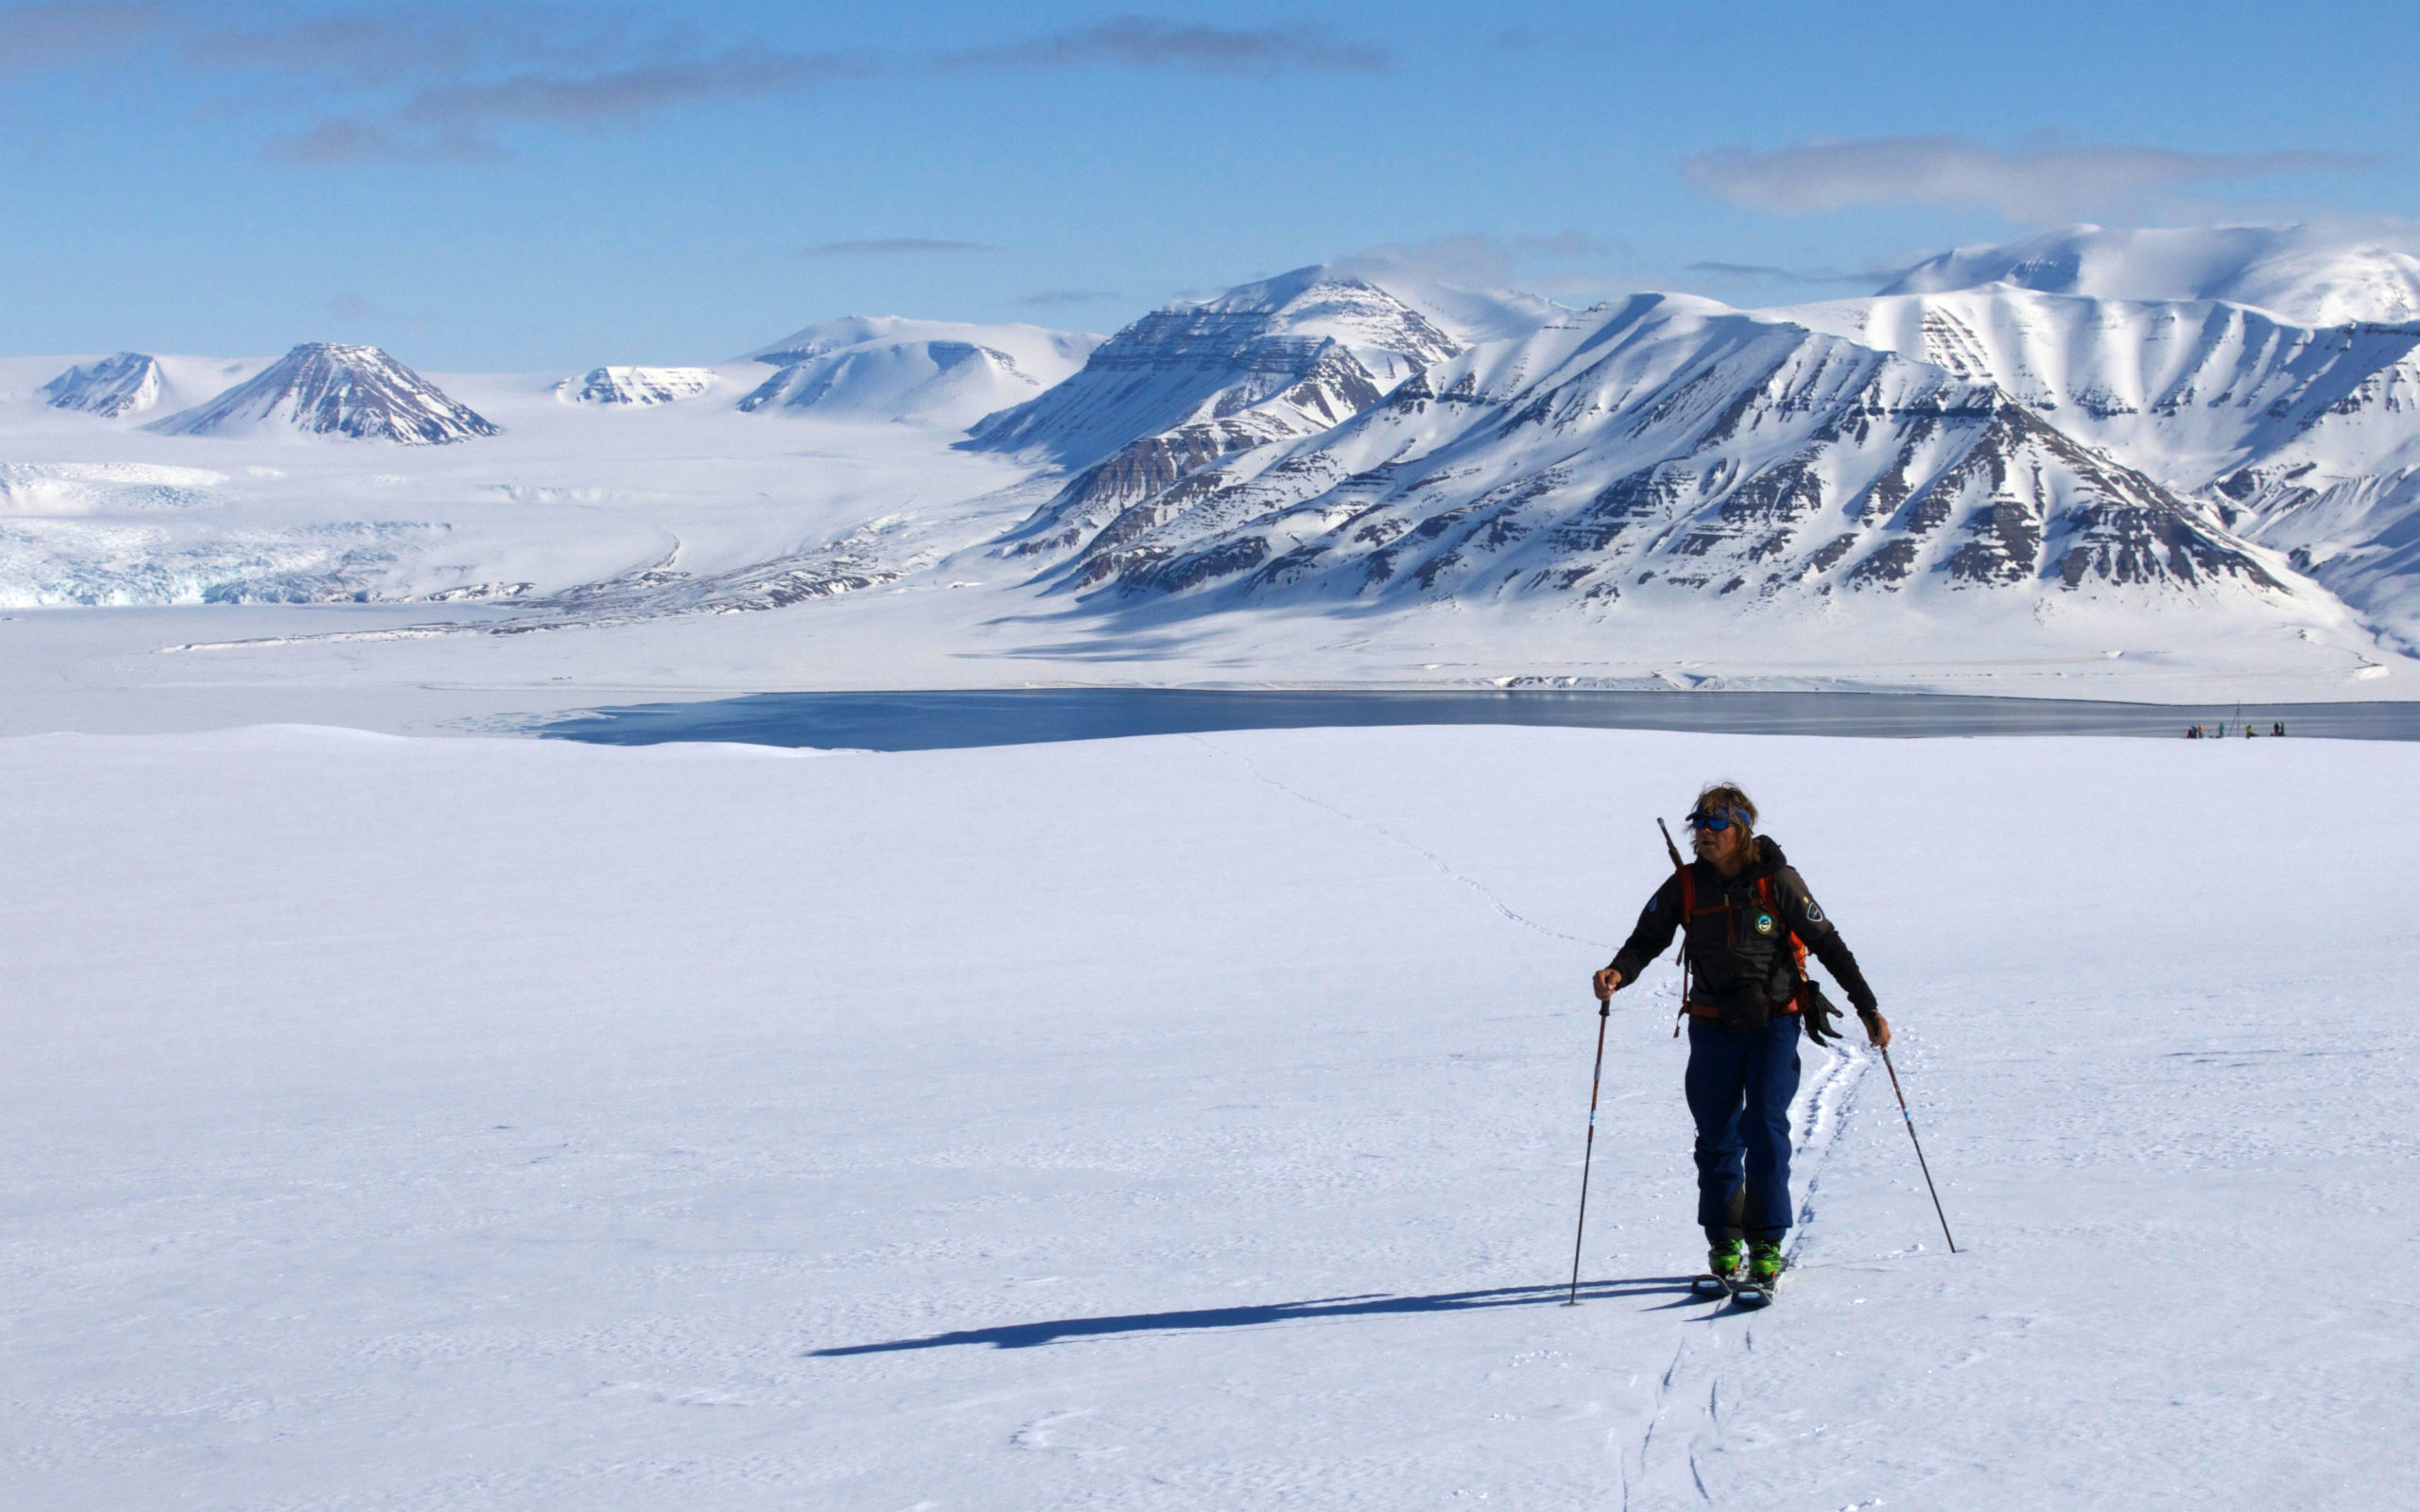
[1192, 361]
[122, 385]
[1270, 295]
[334, 388]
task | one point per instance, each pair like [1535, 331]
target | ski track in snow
[1818, 1113]
[461, 1125]
[1443, 868]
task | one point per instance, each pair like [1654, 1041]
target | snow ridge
[126, 383]
[635, 385]
[921, 372]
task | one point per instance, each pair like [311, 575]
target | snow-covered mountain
[635, 385]
[325, 388]
[2190, 391]
[885, 367]
[1191, 383]
[1668, 447]
[2306, 439]
[2311, 274]
[1977, 463]
[126, 383]
[1340, 341]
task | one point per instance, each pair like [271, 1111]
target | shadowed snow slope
[933, 371]
[1175, 1123]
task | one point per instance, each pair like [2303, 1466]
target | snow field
[1179, 1123]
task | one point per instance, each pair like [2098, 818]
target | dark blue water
[938, 721]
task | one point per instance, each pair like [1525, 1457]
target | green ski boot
[1765, 1264]
[1724, 1264]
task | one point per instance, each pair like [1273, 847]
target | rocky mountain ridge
[1192, 383]
[1668, 447]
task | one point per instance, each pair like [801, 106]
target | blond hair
[1728, 797]
[1716, 797]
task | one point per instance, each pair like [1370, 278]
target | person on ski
[1744, 912]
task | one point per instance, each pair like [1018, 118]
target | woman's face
[1719, 847]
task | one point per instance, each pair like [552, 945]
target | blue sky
[549, 187]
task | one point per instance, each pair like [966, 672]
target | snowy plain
[1179, 1123]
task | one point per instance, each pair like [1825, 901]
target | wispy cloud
[893, 247]
[373, 46]
[445, 82]
[343, 139]
[1145, 42]
[2048, 181]
[621, 96]
[1052, 298]
[61, 33]
[1769, 273]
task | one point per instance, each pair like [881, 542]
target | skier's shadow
[1025, 1335]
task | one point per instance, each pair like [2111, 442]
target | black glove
[1818, 1013]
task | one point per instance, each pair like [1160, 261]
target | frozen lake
[948, 720]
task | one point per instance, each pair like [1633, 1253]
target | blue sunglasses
[1699, 819]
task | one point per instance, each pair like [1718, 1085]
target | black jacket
[1726, 949]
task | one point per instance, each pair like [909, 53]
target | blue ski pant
[1739, 1086]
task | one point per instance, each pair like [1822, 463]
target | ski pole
[1604, 1011]
[1911, 1138]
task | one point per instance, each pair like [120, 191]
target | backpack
[1743, 1016]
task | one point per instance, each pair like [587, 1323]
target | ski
[1753, 1293]
[1710, 1288]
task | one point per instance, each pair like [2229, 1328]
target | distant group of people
[2198, 733]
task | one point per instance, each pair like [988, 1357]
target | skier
[1745, 913]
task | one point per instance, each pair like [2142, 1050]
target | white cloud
[1143, 42]
[2046, 181]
